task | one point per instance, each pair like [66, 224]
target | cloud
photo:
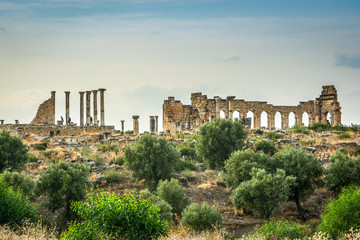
[347, 60]
[234, 58]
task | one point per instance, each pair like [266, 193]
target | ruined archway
[236, 115]
[328, 118]
[278, 119]
[250, 114]
[292, 120]
[222, 114]
[264, 119]
[305, 119]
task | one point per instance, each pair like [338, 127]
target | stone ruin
[179, 117]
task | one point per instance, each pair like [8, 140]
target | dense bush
[33, 158]
[282, 229]
[344, 135]
[13, 153]
[165, 208]
[300, 129]
[343, 171]
[111, 216]
[200, 218]
[107, 148]
[298, 163]
[319, 126]
[120, 161]
[14, 207]
[263, 193]
[42, 146]
[97, 158]
[189, 152]
[186, 165]
[218, 139]
[152, 159]
[62, 184]
[114, 177]
[274, 136]
[265, 147]
[172, 193]
[342, 214]
[20, 182]
[238, 167]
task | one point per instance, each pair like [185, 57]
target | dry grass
[28, 231]
[184, 233]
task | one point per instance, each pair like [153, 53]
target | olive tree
[218, 139]
[152, 159]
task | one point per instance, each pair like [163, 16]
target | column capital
[230, 98]
[122, 121]
[102, 89]
[135, 117]
[67, 92]
[88, 92]
[81, 92]
[95, 91]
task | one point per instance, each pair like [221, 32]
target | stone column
[122, 126]
[231, 107]
[81, 109]
[217, 99]
[16, 121]
[95, 106]
[67, 107]
[271, 121]
[257, 120]
[88, 93]
[156, 124]
[298, 119]
[102, 108]
[136, 125]
[152, 124]
[284, 120]
[337, 117]
[2, 121]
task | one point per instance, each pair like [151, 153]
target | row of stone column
[154, 124]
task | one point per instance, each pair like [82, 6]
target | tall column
[156, 124]
[88, 93]
[67, 106]
[231, 106]
[152, 124]
[136, 125]
[122, 126]
[102, 108]
[81, 109]
[257, 120]
[217, 100]
[298, 119]
[95, 106]
[271, 120]
[284, 120]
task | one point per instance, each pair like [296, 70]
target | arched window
[264, 119]
[305, 119]
[278, 120]
[291, 119]
[250, 114]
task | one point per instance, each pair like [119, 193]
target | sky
[142, 51]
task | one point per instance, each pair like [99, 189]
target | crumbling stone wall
[46, 112]
[179, 117]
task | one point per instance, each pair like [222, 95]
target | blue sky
[143, 51]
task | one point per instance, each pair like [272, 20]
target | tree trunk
[300, 208]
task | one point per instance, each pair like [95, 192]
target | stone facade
[179, 117]
[46, 112]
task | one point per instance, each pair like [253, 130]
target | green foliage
[97, 158]
[107, 148]
[344, 135]
[259, 131]
[186, 165]
[282, 229]
[200, 218]
[265, 147]
[120, 160]
[343, 171]
[274, 136]
[179, 135]
[86, 152]
[165, 208]
[238, 167]
[152, 159]
[114, 177]
[13, 153]
[218, 139]
[263, 193]
[129, 132]
[32, 158]
[112, 216]
[342, 214]
[188, 152]
[42, 146]
[319, 126]
[14, 207]
[63, 183]
[49, 153]
[172, 193]
[298, 163]
[19, 182]
[357, 151]
[300, 129]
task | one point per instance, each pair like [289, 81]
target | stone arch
[305, 119]
[236, 115]
[222, 114]
[264, 119]
[292, 119]
[251, 114]
[328, 118]
[278, 120]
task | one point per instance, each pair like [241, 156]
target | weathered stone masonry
[46, 112]
[179, 117]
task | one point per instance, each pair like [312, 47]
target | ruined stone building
[179, 117]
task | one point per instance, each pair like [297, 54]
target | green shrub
[15, 207]
[114, 177]
[152, 159]
[120, 160]
[165, 208]
[218, 139]
[344, 135]
[300, 129]
[97, 158]
[342, 214]
[20, 182]
[189, 153]
[282, 229]
[86, 152]
[112, 216]
[172, 193]
[107, 148]
[49, 153]
[13, 153]
[129, 132]
[186, 165]
[319, 126]
[200, 218]
[274, 136]
[357, 151]
[179, 135]
[42, 146]
[259, 131]
[32, 158]
[265, 147]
